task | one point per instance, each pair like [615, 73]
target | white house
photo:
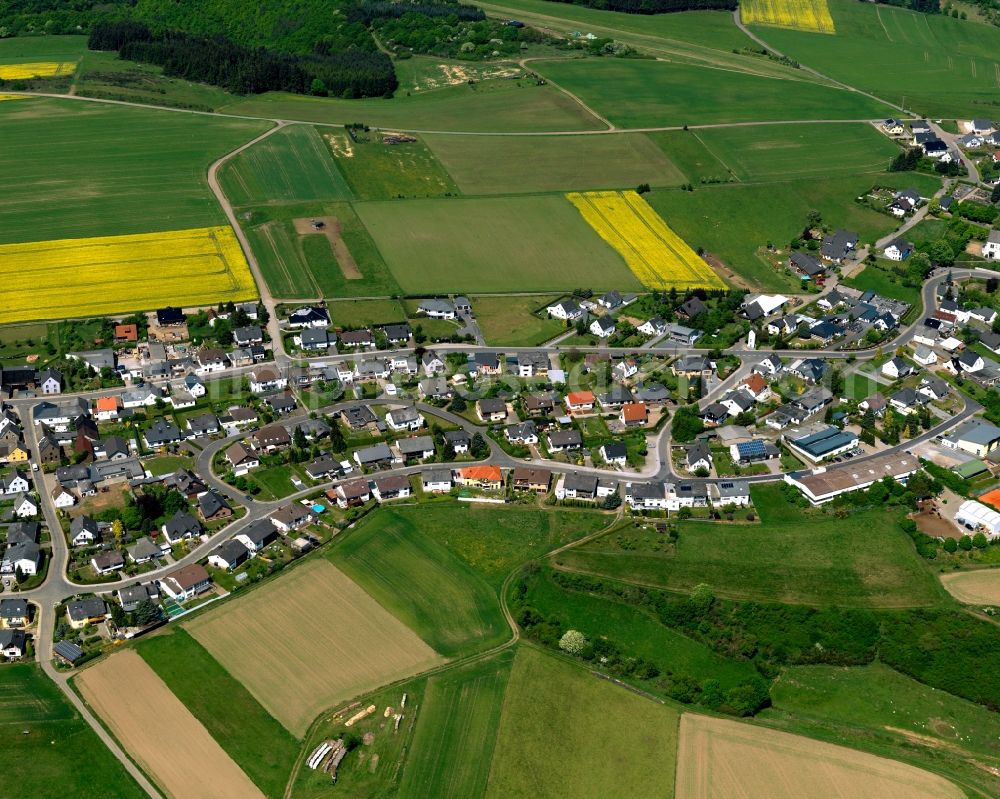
[924, 355]
[991, 249]
[653, 327]
[565, 309]
[25, 507]
[404, 419]
[898, 250]
[267, 378]
[603, 327]
[13, 483]
[62, 498]
[896, 368]
[436, 481]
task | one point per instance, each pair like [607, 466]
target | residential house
[391, 487]
[13, 644]
[934, 388]
[654, 327]
[733, 492]
[714, 414]
[532, 364]
[434, 388]
[805, 264]
[431, 363]
[62, 498]
[83, 531]
[580, 401]
[358, 417]
[577, 486]
[522, 433]
[271, 438]
[614, 453]
[565, 309]
[769, 365]
[352, 492]
[437, 309]
[876, 403]
[206, 424]
[397, 334]
[907, 401]
[363, 338]
[530, 478]
[560, 440]
[683, 335]
[14, 612]
[756, 386]
[837, 247]
[416, 447]
[489, 478]
[108, 562]
[267, 378]
[991, 247]
[633, 414]
[186, 582]
[898, 249]
[209, 360]
[699, 456]
[404, 419]
[603, 327]
[309, 317]
[161, 433]
[14, 483]
[24, 506]
[179, 527]
[107, 408]
[924, 355]
[258, 536]
[81, 612]
[436, 481]
[131, 597]
[229, 555]
[376, 456]
[246, 336]
[491, 409]
[896, 368]
[737, 402]
[459, 440]
[212, 507]
[692, 308]
[612, 300]
[144, 550]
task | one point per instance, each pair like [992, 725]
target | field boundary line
[878, 13]
[715, 155]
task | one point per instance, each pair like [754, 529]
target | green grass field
[75, 169]
[865, 560]
[511, 321]
[256, 742]
[29, 49]
[358, 313]
[640, 93]
[416, 578]
[521, 164]
[457, 725]
[378, 171]
[943, 66]
[292, 165]
[565, 732]
[879, 278]
[493, 244]
[49, 751]
[687, 150]
[494, 105]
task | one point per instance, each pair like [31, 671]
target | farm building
[976, 516]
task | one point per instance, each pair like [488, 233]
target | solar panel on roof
[750, 449]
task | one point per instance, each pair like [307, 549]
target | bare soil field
[974, 588]
[168, 742]
[720, 759]
[331, 229]
[308, 640]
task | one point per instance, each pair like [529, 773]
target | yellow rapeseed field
[655, 254]
[40, 69]
[800, 15]
[12, 97]
[105, 275]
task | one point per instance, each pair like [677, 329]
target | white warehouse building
[976, 515]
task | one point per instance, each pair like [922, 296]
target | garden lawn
[878, 278]
[643, 93]
[502, 244]
[252, 738]
[521, 164]
[512, 321]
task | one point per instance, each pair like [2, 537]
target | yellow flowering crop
[12, 97]
[69, 278]
[800, 15]
[40, 69]
[655, 254]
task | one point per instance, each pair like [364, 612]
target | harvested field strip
[41, 69]
[974, 588]
[117, 274]
[655, 254]
[801, 15]
[720, 759]
[335, 642]
[159, 732]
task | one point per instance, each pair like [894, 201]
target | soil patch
[329, 226]
[726, 273]
[931, 522]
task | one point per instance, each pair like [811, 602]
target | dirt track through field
[331, 229]
[720, 759]
[160, 733]
[974, 588]
[308, 640]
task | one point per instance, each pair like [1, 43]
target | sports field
[521, 164]
[335, 642]
[116, 274]
[492, 244]
[801, 15]
[974, 588]
[157, 730]
[564, 732]
[292, 164]
[719, 759]
[657, 256]
[75, 169]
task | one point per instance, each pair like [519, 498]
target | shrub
[573, 642]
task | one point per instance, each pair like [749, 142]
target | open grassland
[291, 165]
[157, 730]
[492, 244]
[421, 582]
[335, 642]
[521, 164]
[865, 560]
[801, 15]
[974, 588]
[657, 256]
[116, 274]
[359, 313]
[74, 169]
[643, 93]
[944, 66]
[456, 730]
[565, 732]
[49, 751]
[377, 170]
[30, 49]
[693, 158]
[878, 277]
[735, 222]
[786, 152]
[718, 759]
[495, 105]
[512, 321]
[252, 738]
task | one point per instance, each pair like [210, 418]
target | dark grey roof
[211, 503]
[565, 438]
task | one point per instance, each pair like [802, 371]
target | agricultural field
[800, 15]
[336, 642]
[162, 735]
[565, 732]
[251, 737]
[291, 165]
[48, 747]
[31, 49]
[944, 66]
[117, 274]
[686, 149]
[657, 256]
[826, 561]
[37, 69]
[642, 93]
[522, 164]
[512, 321]
[378, 170]
[492, 244]
[974, 587]
[717, 758]
[74, 169]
